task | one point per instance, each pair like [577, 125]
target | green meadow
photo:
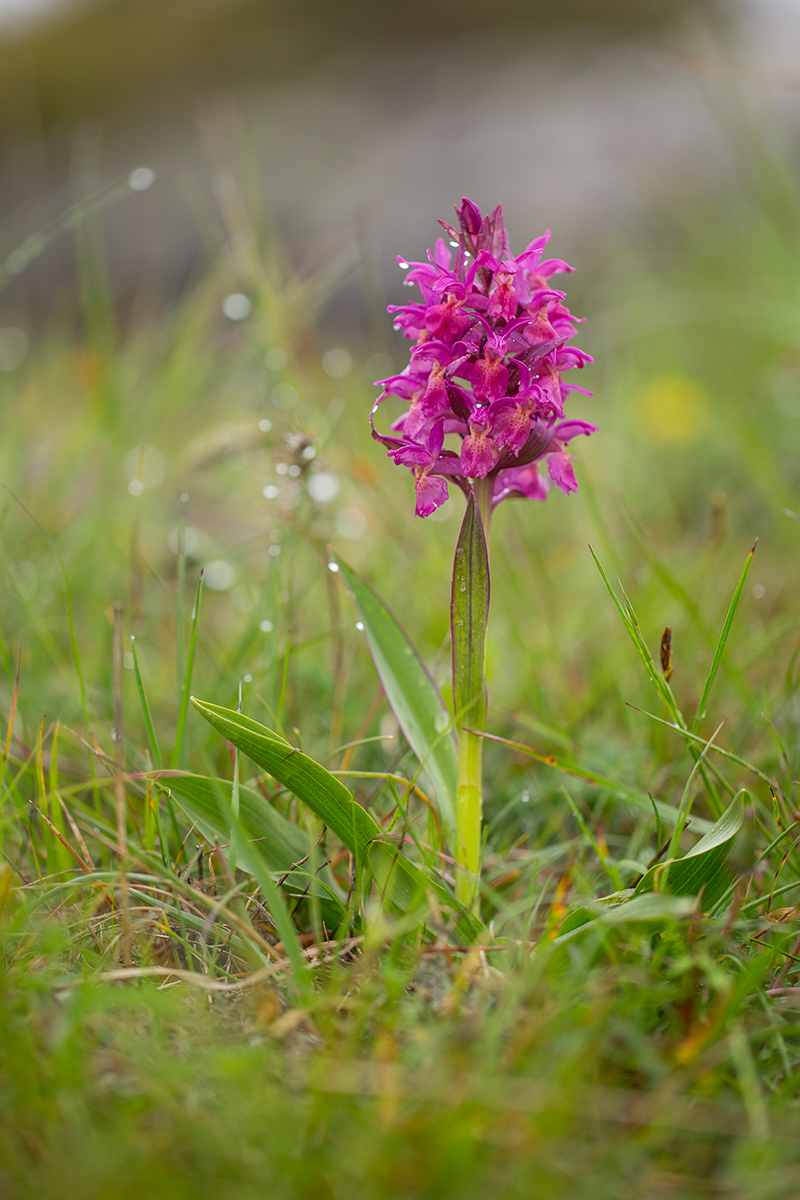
[198, 1003]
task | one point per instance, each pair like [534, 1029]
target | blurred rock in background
[357, 124]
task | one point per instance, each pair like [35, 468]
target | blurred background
[201, 205]
[359, 122]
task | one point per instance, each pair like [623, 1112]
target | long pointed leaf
[401, 882]
[411, 692]
[273, 840]
[469, 613]
[279, 842]
[702, 867]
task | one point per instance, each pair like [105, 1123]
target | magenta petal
[489, 378]
[559, 465]
[525, 481]
[512, 427]
[431, 494]
[565, 431]
[469, 215]
[479, 454]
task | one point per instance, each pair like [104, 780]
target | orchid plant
[485, 393]
[491, 348]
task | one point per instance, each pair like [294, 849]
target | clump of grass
[228, 1024]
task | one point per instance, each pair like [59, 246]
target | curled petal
[565, 431]
[522, 481]
[559, 466]
[469, 216]
[431, 494]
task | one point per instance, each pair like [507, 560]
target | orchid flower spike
[491, 349]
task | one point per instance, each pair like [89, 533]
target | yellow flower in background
[672, 408]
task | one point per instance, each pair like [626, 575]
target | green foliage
[286, 999]
[400, 882]
[411, 692]
[701, 871]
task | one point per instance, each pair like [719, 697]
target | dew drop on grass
[360, 626]
[266, 626]
[334, 567]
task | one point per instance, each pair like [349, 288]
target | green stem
[469, 612]
[469, 816]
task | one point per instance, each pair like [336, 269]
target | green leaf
[411, 692]
[469, 613]
[273, 897]
[401, 883]
[704, 866]
[275, 842]
[616, 910]
[668, 889]
[278, 842]
[649, 907]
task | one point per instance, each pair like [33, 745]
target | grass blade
[723, 639]
[620, 791]
[72, 218]
[272, 897]
[147, 717]
[628, 617]
[187, 682]
[696, 740]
